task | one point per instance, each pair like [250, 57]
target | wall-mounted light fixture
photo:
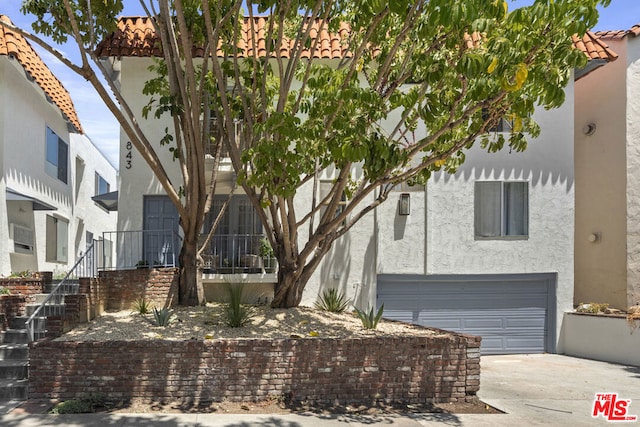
[595, 237]
[589, 129]
[404, 207]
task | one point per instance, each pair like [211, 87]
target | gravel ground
[208, 322]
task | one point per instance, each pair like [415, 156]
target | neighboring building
[49, 170]
[607, 157]
[488, 250]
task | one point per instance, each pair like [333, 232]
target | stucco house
[486, 251]
[49, 170]
[607, 164]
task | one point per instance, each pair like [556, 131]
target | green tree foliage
[419, 83]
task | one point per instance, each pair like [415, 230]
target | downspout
[426, 229]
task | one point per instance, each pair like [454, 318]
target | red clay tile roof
[136, 37]
[620, 34]
[16, 46]
[593, 47]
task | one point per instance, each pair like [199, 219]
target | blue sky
[103, 129]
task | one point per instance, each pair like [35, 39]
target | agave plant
[237, 314]
[163, 317]
[368, 318]
[141, 306]
[333, 300]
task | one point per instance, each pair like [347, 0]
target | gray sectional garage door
[512, 313]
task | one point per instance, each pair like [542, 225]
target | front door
[160, 236]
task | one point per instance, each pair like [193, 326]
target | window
[56, 156]
[22, 238]
[102, 186]
[57, 239]
[501, 209]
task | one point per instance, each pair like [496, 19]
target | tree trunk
[191, 290]
[288, 290]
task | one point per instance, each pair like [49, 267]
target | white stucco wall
[633, 170]
[23, 138]
[23, 143]
[547, 165]
[601, 182]
[137, 179]
[86, 160]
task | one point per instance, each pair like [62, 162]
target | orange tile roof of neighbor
[15, 46]
[620, 34]
[136, 36]
[594, 47]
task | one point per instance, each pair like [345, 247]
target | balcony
[225, 254]
[237, 254]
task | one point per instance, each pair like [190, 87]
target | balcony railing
[142, 249]
[225, 253]
[236, 253]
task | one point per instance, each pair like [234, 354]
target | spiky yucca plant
[332, 300]
[369, 319]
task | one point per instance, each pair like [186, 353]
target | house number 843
[128, 156]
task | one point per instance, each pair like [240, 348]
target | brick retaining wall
[23, 291]
[27, 287]
[10, 307]
[444, 368]
[158, 286]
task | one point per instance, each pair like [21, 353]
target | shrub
[332, 300]
[142, 306]
[592, 307]
[163, 317]
[21, 274]
[369, 319]
[237, 314]
[84, 405]
[5, 291]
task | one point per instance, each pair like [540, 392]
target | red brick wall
[96, 292]
[27, 287]
[158, 286]
[10, 307]
[410, 370]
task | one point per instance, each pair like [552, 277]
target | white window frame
[57, 233]
[56, 166]
[98, 180]
[492, 217]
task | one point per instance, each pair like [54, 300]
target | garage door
[512, 313]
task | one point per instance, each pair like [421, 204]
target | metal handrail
[29, 322]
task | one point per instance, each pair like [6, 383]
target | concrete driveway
[550, 389]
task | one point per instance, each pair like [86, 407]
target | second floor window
[57, 153]
[102, 186]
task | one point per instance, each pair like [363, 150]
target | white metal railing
[85, 266]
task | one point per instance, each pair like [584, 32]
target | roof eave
[591, 66]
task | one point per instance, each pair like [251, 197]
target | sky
[104, 131]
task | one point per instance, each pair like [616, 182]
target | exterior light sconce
[595, 237]
[404, 207]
